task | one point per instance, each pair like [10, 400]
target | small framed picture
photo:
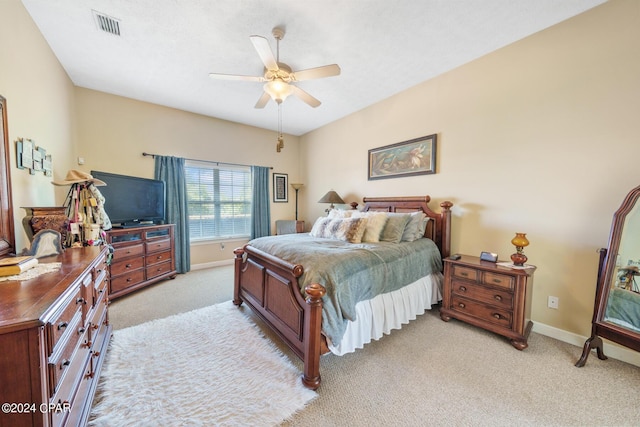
[280, 185]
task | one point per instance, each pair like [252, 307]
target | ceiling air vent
[106, 23]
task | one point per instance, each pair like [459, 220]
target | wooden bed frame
[270, 286]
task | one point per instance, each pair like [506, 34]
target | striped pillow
[347, 229]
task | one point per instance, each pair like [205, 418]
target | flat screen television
[132, 201]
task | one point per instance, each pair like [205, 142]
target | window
[219, 200]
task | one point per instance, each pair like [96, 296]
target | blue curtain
[171, 170]
[260, 206]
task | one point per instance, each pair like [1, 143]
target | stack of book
[16, 265]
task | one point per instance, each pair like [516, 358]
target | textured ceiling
[167, 48]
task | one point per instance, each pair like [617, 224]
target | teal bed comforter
[352, 272]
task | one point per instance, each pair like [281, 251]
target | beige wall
[40, 107]
[539, 137]
[114, 131]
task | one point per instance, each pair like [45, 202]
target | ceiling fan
[278, 76]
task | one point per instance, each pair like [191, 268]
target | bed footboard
[271, 288]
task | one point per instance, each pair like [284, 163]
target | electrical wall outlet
[553, 302]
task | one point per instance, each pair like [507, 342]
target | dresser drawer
[465, 273]
[126, 280]
[158, 269]
[121, 252]
[497, 297]
[70, 356]
[126, 266]
[64, 398]
[483, 312]
[61, 324]
[158, 257]
[158, 245]
[496, 279]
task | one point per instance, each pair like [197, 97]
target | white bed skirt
[381, 314]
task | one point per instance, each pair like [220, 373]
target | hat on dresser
[76, 176]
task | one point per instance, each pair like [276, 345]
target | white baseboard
[610, 350]
[204, 265]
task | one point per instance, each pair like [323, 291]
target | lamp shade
[297, 186]
[331, 197]
[520, 240]
[278, 90]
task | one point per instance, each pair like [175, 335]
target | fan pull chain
[280, 144]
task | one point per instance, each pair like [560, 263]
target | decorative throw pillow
[414, 229]
[394, 228]
[340, 213]
[375, 224]
[346, 229]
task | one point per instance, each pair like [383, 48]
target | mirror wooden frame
[7, 234]
[606, 275]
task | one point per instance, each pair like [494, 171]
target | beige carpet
[209, 366]
[436, 373]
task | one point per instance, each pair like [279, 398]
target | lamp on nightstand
[331, 197]
[297, 187]
[520, 241]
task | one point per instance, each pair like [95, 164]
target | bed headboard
[438, 229]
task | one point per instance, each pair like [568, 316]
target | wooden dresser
[490, 296]
[142, 256]
[54, 332]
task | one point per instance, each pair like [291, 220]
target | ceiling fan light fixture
[278, 90]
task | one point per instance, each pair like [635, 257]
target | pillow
[375, 224]
[414, 229]
[394, 228]
[346, 229]
[340, 213]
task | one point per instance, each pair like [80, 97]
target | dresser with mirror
[616, 315]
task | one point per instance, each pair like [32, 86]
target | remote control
[455, 257]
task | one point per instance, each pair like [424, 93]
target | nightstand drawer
[481, 311]
[497, 297]
[465, 273]
[495, 279]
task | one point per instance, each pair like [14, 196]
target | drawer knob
[65, 363]
[129, 279]
[461, 305]
[497, 281]
[81, 301]
[497, 297]
[497, 315]
[62, 325]
[463, 288]
[464, 273]
[81, 331]
[128, 265]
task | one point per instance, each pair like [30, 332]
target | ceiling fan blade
[264, 51]
[236, 77]
[304, 96]
[317, 73]
[263, 100]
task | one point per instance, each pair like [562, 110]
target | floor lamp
[297, 187]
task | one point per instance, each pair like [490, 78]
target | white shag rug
[207, 367]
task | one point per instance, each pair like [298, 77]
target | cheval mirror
[7, 237]
[616, 314]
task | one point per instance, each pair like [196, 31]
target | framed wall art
[280, 185]
[408, 158]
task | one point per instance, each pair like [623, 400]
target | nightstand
[489, 296]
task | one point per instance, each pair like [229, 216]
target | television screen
[130, 200]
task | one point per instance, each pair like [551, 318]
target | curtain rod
[205, 161]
